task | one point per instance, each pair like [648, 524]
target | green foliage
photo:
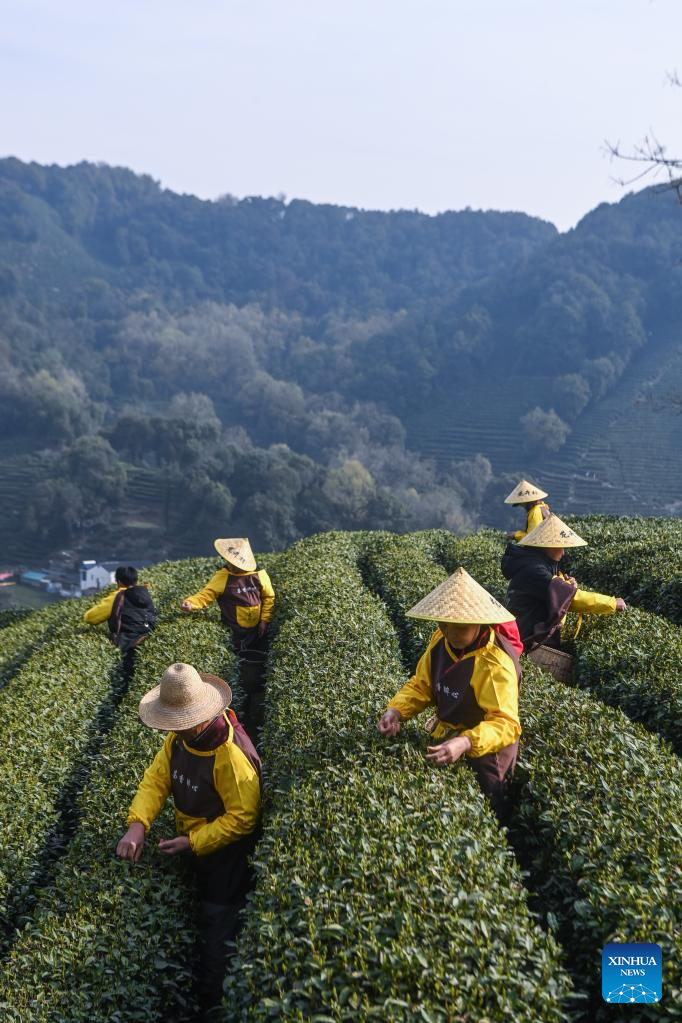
[635, 558]
[385, 889]
[12, 615]
[172, 328]
[24, 634]
[598, 821]
[544, 430]
[107, 940]
[47, 713]
[383, 562]
[596, 814]
[634, 661]
[480, 554]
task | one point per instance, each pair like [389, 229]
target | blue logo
[632, 972]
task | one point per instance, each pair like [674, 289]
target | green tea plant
[638, 559]
[49, 715]
[598, 821]
[478, 553]
[108, 940]
[383, 557]
[595, 824]
[12, 615]
[385, 888]
[634, 661]
[25, 635]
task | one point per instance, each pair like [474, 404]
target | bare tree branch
[651, 153]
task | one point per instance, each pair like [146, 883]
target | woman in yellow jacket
[470, 672]
[244, 594]
[530, 498]
[210, 767]
[539, 594]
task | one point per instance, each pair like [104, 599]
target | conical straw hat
[524, 492]
[460, 599]
[552, 533]
[237, 551]
[185, 698]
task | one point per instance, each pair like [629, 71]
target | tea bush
[634, 661]
[108, 940]
[385, 889]
[598, 820]
[382, 562]
[12, 615]
[638, 559]
[596, 823]
[25, 634]
[48, 714]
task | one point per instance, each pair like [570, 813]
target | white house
[95, 575]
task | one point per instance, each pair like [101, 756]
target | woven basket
[557, 662]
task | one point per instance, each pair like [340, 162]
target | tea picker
[246, 600]
[539, 594]
[213, 772]
[129, 612]
[530, 498]
[470, 672]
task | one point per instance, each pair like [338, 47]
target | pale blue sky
[435, 104]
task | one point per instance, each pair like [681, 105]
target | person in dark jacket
[539, 594]
[129, 612]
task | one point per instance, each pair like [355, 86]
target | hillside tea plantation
[385, 887]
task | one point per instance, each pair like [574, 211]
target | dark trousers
[251, 649]
[128, 663]
[494, 772]
[223, 879]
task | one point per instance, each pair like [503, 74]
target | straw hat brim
[461, 601]
[516, 498]
[221, 547]
[496, 618]
[525, 500]
[173, 719]
[552, 532]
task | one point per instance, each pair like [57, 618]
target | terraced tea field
[386, 890]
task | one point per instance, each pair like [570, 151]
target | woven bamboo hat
[524, 492]
[552, 533]
[461, 600]
[237, 552]
[185, 698]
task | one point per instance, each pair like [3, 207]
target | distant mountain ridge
[149, 338]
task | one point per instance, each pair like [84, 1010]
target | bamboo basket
[556, 662]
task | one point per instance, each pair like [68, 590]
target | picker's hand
[262, 628]
[450, 751]
[186, 606]
[389, 722]
[620, 604]
[130, 846]
[511, 536]
[171, 846]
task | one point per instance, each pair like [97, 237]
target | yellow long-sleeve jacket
[216, 792]
[102, 611]
[535, 516]
[245, 598]
[491, 676]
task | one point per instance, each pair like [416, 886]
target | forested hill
[63, 226]
[170, 364]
